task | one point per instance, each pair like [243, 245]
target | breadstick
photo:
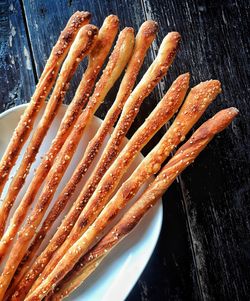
[81, 247]
[42, 90]
[160, 115]
[82, 45]
[183, 157]
[154, 74]
[198, 98]
[194, 106]
[113, 70]
[96, 59]
[143, 40]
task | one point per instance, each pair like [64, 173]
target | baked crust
[182, 159]
[143, 40]
[96, 58]
[155, 72]
[42, 90]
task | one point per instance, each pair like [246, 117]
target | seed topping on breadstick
[83, 238]
[183, 157]
[195, 144]
[42, 90]
[160, 115]
[80, 48]
[96, 59]
[117, 62]
[144, 39]
[199, 98]
[84, 42]
[163, 61]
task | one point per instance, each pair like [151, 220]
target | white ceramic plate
[118, 273]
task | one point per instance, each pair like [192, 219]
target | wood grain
[203, 251]
[16, 72]
[215, 191]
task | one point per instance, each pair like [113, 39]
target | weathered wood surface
[216, 188]
[16, 72]
[203, 251]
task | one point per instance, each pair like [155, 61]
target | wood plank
[216, 188]
[170, 273]
[16, 72]
[171, 264]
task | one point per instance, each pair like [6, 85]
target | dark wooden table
[204, 248]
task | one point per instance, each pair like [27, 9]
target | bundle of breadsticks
[83, 238]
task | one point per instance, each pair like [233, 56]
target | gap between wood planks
[29, 41]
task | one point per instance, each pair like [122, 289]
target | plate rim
[154, 239]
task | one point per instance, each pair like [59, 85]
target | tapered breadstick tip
[185, 77]
[221, 120]
[211, 127]
[92, 30]
[171, 40]
[128, 29]
[169, 45]
[224, 118]
[233, 111]
[79, 16]
[210, 86]
[112, 20]
[173, 36]
[149, 28]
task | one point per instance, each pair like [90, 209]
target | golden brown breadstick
[183, 157]
[143, 40]
[42, 90]
[198, 98]
[117, 62]
[80, 247]
[154, 74]
[160, 115]
[194, 106]
[81, 47]
[96, 59]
